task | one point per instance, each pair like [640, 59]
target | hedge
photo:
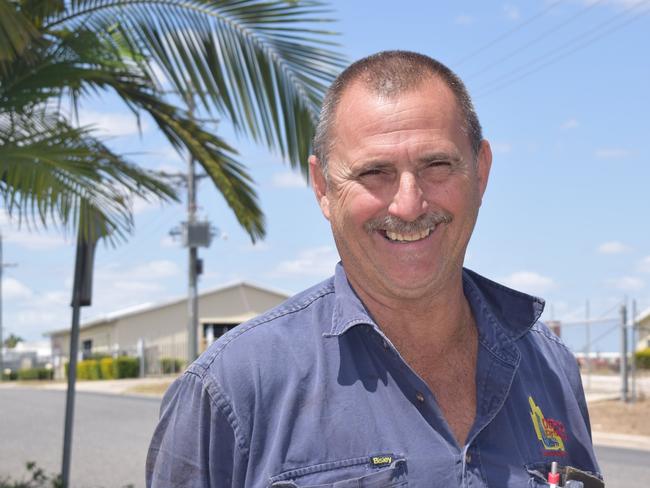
[126, 367]
[88, 369]
[107, 368]
[13, 375]
[35, 374]
[643, 358]
[171, 365]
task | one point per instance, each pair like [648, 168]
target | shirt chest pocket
[348, 473]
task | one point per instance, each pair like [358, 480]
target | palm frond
[257, 63]
[51, 171]
[16, 33]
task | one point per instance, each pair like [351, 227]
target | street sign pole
[81, 296]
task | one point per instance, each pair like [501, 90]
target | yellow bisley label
[379, 460]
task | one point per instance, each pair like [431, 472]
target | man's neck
[438, 319]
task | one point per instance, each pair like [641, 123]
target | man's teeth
[416, 236]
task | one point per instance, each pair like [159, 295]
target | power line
[542, 36]
[506, 34]
[508, 78]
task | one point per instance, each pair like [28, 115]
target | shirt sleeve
[194, 444]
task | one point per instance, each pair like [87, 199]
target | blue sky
[561, 88]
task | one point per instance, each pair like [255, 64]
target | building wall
[165, 328]
[102, 337]
[644, 333]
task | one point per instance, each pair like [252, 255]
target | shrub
[12, 376]
[642, 358]
[38, 479]
[88, 369]
[171, 365]
[107, 368]
[35, 374]
[126, 367]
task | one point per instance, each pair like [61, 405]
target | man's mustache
[391, 223]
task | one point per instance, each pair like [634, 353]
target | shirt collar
[349, 310]
[502, 314]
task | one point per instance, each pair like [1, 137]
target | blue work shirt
[313, 394]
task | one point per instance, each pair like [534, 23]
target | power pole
[588, 346]
[195, 233]
[633, 359]
[623, 362]
[3, 265]
[193, 271]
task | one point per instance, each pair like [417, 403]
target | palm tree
[262, 65]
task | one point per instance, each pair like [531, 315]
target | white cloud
[288, 179]
[511, 11]
[628, 283]
[529, 282]
[154, 269]
[35, 239]
[644, 265]
[12, 289]
[318, 261]
[170, 241]
[119, 286]
[259, 246]
[31, 237]
[140, 205]
[612, 247]
[114, 288]
[501, 147]
[112, 123]
[611, 153]
[464, 19]
[569, 124]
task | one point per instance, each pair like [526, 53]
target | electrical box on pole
[196, 234]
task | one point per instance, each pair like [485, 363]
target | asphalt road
[624, 468]
[112, 433]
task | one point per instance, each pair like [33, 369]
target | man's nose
[408, 201]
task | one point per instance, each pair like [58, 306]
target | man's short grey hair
[390, 73]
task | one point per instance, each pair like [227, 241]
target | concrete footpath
[135, 387]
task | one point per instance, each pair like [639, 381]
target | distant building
[26, 355]
[643, 328]
[159, 330]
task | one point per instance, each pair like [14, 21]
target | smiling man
[403, 368]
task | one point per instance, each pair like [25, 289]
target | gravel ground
[622, 418]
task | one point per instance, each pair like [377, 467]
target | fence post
[588, 346]
[141, 354]
[633, 349]
[623, 361]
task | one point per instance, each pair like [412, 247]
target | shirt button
[419, 397]
[468, 458]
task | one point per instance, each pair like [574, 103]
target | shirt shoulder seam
[550, 337]
[221, 402]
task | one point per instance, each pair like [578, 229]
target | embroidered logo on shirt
[381, 460]
[550, 432]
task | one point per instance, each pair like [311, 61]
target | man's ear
[484, 163]
[319, 184]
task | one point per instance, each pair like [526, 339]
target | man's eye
[371, 172]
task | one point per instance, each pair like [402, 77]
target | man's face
[404, 189]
